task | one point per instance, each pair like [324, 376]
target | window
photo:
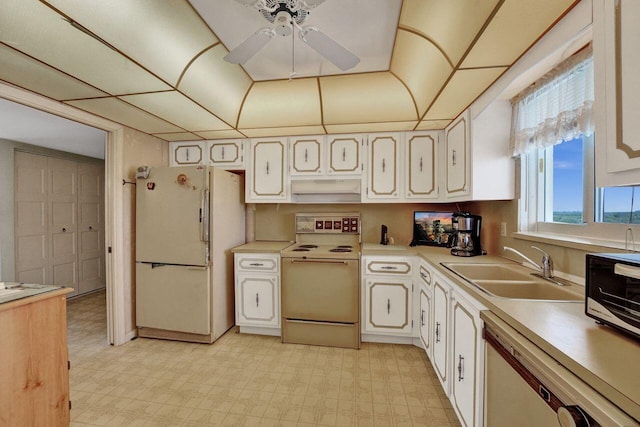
[553, 135]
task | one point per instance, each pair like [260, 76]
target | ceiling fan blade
[247, 2]
[311, 3]
[329, 48]
[250, 46]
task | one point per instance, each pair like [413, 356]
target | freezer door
[172, 216]
[173, 298]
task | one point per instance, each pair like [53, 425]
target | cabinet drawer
[425, 275]
[387, 266]
[258, 262]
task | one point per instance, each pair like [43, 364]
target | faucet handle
[547, 263]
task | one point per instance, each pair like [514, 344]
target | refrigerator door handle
[204, 216]
[156, 265]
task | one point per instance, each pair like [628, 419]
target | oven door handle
[319, 261]
[627, 271]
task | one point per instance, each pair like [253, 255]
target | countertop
[264, 246]
[54, 292]
[601, 356]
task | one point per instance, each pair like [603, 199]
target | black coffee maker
[465, 239]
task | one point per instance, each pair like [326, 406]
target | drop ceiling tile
[516, 26]
[179, 136]
[371, 127]
[219, 134]
[57, 43]
[433, 124]
[30, 74]
[421, 66]
[281, 103]
[177, 108]
[452, 25]
[128, 115]
[463, 88]
[162, 36]
[297, 130]
[216, 84]
[365, 98]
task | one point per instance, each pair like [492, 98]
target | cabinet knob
[64, 230]
[90, 228]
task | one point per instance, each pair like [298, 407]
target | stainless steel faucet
[546, 268]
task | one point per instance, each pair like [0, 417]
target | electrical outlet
[503, 229]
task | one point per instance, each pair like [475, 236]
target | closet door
[63, 222]
[30, 218]
[91, 274]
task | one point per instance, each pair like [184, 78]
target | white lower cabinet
[457, 347]
[388, 296]
[257, 290]
[425, 306]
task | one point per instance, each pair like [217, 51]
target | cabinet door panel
[267, 179]
[389, 306]
[344, 154]
[457, 142]
[439, 332]
[384, 151]
[187, 153]
[425, 316]
[257, 300]
[464, 384]
[225, 154]
[306, 156]
[421, 170]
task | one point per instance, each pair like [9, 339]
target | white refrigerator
[187, 220]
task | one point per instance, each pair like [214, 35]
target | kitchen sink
[514, 281]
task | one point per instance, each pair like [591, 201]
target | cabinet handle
[344, 154]
[388, 306]
[222, 153]
[256, 264]
[267, 168]
[422, 318]
[460, 367]
[64, 230]
[306, 155]
[420, 164]
[388, 267]
[383, 165]
[90, 228]
[453, 157]
[188, 154]
[257, 300]
[437, 331]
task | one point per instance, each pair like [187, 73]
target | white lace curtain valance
[558, 107]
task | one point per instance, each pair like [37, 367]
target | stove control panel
[328, 224]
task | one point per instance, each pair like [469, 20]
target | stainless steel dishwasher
[525, 387]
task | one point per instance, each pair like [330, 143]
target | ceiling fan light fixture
[284, 25]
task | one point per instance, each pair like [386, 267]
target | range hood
[326, 190]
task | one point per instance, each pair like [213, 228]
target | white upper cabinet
[226, 154]
[421, 173]
[343, 154]
[187, 153]
[617, 94]
[267, 179]
[306, 155]
[457, 167]
[383, 161]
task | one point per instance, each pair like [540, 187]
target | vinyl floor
[244, 380]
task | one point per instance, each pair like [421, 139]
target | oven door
[325, 290]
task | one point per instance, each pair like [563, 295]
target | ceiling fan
[287, 16]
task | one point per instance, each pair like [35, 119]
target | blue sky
[567, 192]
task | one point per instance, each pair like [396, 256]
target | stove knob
[574, 416]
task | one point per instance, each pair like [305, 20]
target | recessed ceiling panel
[421, 66]
[162, 36]
[516, 26]
[281, 103]
[178, 108]
[433, 124]
[219, 134]
[365, 98]
[128, 115]
[26, 72]
[179, 136]
[371, 127]
[215, 84]
[450, 24]
[54, 41]
[364, 27]
[283, 131]
[463, 88]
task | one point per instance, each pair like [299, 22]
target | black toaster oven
[613, 290]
